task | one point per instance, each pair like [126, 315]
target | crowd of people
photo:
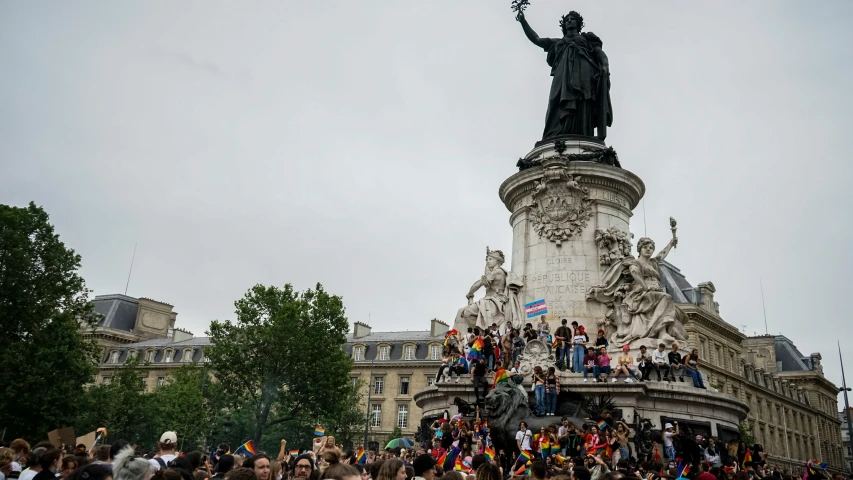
[479, 353]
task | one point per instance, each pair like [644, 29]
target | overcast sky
[361, 144]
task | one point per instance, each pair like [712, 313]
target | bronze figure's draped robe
[580, 91]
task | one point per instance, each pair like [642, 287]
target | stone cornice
[707, 319]
[380, 364]
[592, 175]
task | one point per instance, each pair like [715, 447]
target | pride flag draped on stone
[500, 377]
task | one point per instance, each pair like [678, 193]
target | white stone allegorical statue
[499, 305]
[640, 308]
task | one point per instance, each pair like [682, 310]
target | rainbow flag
[450, 459]
[448, 335]
[476, 351]
[489, 453]
[561, 458]
[319, 431]
[746, 458]
[545, 445]
[247, 448]
[457, 465]
[294, 453]
[656, 456]
[500, 377]
[523, 470]
[601, 425]
[525, 456]
[361, 457]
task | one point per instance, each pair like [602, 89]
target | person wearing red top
[590, 364]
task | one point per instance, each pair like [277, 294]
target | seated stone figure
[641, 307]
[499, 305]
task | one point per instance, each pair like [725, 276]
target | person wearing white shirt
[168, 443]
[522, 438]
[660, 361]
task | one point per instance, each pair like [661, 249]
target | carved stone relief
[561, 206]
[613, 245]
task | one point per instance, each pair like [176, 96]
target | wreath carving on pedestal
[561, 206]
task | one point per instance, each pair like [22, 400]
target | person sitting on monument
[644, 363]
[691, 365]
[675, 364]
[590, 364]
[443, 369]
[623, 365]
[515, 373]
[603, 364]
[518, 345]
[660, 361]
[458, 365]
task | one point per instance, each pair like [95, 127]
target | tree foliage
[44, 361]
[282, 358]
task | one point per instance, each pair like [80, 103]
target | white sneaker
[584, 379]
[629, 380]
[457, 380]
[614, 379]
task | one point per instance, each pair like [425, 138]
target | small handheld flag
[746, 458]
[361, 458]
[319, 431]
[294, 453]
[601, 425]
[489, 453]
[247, 449]
[525, 456]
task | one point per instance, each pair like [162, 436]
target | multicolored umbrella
[400, 443]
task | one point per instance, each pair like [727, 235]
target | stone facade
[845, 439]
[391, 367]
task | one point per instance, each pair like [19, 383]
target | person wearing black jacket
[49, 461]
[675, 363]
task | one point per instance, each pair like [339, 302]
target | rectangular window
[410, 352]
[354, 381]
[378, 386]
[719, 356]
[114, 357]
[435, 352]
[131, 354]
[359, 354]
[107, 380]
[383, 353]
[430, 380]
[403, 416]
[161, 381]
[188, 356]
[150, 356]
[168, 356]
[404, 386]
[376, 415]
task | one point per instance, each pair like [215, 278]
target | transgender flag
[534, 309]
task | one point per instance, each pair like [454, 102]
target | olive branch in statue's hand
[518, 7]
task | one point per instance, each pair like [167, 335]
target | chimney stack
[437, 327]
[360, 330]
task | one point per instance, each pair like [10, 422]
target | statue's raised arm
[530, 33]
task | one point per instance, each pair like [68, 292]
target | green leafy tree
[282, 357]
[746, 433]
[180, 406]
[44, 360]
[122, 406]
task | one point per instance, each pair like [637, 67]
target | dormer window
[149, 357]
[131, 354]
[410, 352]
[435, 352]
[168, 357]
[114, 357]
[358, 353]
[188, 355]
[383, 352]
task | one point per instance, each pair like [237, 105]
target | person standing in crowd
[21, 449]
[539, 390]
[563, 336]
[303, 466]
[644, 363]
[69, 464]
[225, 465]
[168, 443]
[335, 469]
[529, 333]
[260, 464]
[478, 378]
[675, 363]
[623, 432]
[660, 361]
[32, 464]
[600, 341]
[544, 331]
[523, 438]
[424, 466]
[49, 461]
[517, 345]
[552, 388]
[579, 341]
[691, 366]
[668, 446]
[392, 469]
[488, 351]
[506, 348]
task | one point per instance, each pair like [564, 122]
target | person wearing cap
[424, 466]
[167, 444]
[669, 447]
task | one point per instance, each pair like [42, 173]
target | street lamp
[226, 425]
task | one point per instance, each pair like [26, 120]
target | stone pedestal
[564, 194]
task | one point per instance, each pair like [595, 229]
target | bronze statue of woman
[579, 101]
